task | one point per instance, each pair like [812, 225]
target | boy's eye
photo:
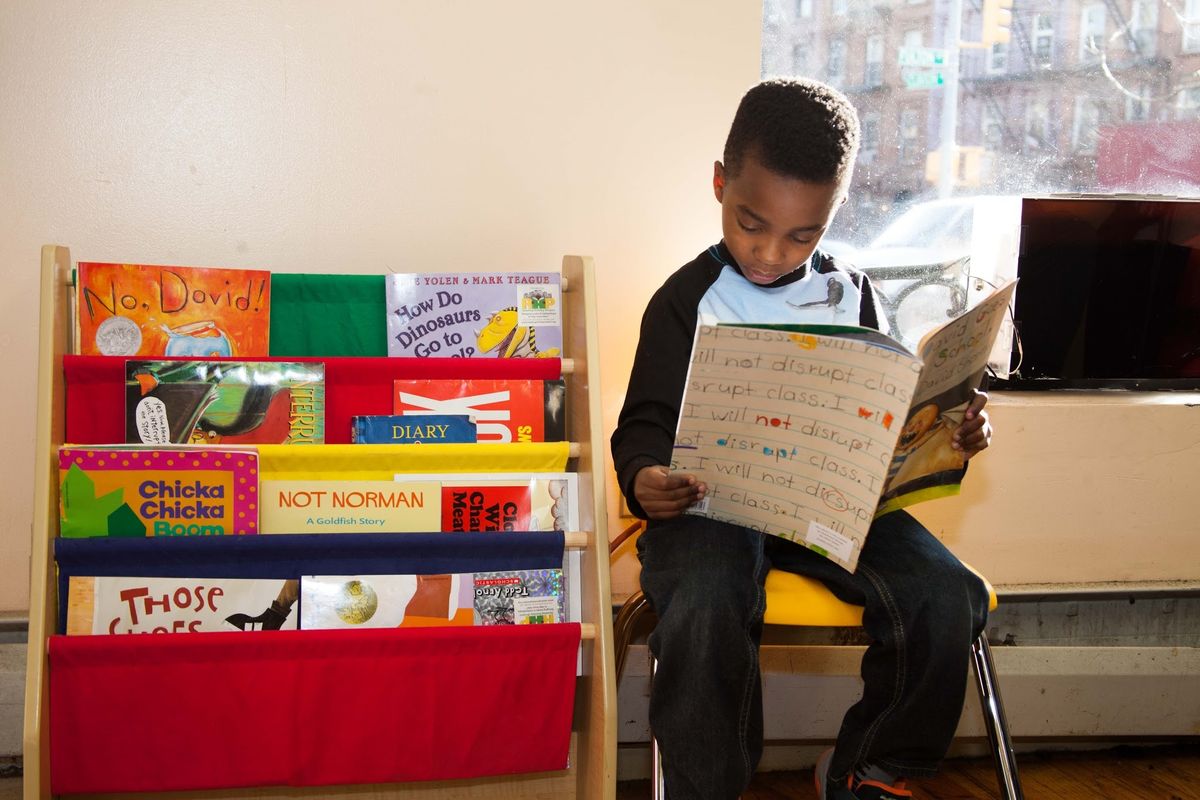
[747, 228]
[799, 240]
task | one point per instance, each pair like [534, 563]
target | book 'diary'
[809, 432]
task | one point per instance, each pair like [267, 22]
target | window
[998, 58]
[1043, 39]
[1187, 107]
[869, 142]
[839, 7]
[800, 52]
[1028, 115]
[873, 74]
[1191, 26]
[1137, 109]
[1143, 24]
[1092, 22]
[1090, 114]
[909, 149]
[835, 67]
[992, 127]
[1037, 126]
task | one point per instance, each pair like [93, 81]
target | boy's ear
[719, 181]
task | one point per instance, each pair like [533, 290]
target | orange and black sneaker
[855, 788]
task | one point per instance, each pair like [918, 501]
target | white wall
[360, 137]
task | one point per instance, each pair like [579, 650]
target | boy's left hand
[975, 433]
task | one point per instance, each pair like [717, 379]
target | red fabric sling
[220, 710]
[96, 388]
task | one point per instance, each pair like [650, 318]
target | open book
[810, 432]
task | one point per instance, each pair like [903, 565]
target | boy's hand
[975, 433]
[664, 494]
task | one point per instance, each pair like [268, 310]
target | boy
[785, 171]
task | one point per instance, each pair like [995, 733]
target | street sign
[923, 79]
[922, 57]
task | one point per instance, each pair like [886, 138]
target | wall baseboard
[12, 702]
[1049, 693]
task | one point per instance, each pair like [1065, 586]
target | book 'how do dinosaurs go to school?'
[810, 432]
[475, 315]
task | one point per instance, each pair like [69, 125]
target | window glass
[835, 66]
[1093, 20]
[1143, 26]
[1191, 26]
[869, 144]
[1043, 39]
[1081, 96]
[873, 75]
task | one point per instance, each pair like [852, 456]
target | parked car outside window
[920, 263]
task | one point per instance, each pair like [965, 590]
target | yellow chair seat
[799, 600]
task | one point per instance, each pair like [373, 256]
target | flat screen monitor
[1109, 294]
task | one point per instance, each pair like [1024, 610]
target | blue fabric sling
[283, 556]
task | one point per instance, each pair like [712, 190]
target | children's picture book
[330, 506]
[511, 597]
[488, 501]
[396, 429]
[224, 402]
[504, 411]
[811, 432]
[107, 605]
[157, 491]
[520, 597]
[492, 501]
[149, 310]
[386, 601]
[475, 315]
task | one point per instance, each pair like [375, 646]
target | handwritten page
[793, 432]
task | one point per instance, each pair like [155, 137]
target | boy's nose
[770, 253]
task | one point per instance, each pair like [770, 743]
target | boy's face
[772, 223]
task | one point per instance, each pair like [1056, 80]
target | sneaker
[853, 788]
[825, 790]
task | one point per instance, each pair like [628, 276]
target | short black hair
[796, 127]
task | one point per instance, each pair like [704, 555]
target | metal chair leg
[995, 721]
[658, 785]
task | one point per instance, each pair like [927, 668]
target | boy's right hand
[664, 494]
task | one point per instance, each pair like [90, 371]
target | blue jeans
[922, 610]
